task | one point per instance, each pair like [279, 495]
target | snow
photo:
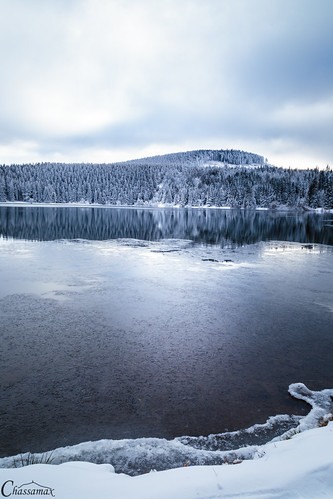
[320, 401]
[222, 164]
[299, 467]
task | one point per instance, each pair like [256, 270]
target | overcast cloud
[108, 80]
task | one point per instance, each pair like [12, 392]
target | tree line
[197, 178]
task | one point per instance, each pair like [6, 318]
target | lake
[124, 323]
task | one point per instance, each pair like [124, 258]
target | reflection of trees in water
[200, 225]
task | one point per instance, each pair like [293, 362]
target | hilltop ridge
[202, 156]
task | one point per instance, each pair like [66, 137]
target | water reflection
[233, 227]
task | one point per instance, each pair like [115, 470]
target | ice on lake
[130, 338]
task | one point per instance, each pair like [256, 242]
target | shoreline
[299, 467]
[184, 449]
[285, 209]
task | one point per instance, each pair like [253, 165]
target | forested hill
[204, 157]
[197, 178]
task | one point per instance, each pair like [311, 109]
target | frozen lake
[125, 323]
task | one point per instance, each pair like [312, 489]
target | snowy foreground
[299, 467]
[300, 464]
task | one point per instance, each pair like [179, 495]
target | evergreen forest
[219, 178]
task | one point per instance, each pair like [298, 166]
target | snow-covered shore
[299, 467]
[150, 206]
[296, 464]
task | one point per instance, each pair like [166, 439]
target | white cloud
[296, 115]
[19, 151]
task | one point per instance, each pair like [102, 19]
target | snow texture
[300, 467]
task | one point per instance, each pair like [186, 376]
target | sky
[111, 80]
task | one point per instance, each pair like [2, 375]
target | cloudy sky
[109, 80]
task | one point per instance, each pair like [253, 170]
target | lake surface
[125, 323]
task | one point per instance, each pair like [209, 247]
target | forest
[219, 178]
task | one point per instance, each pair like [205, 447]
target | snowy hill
[203, 157]
[219, 178]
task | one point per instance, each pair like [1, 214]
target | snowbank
[301, 466]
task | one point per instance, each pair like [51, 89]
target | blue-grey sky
[109, 80]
